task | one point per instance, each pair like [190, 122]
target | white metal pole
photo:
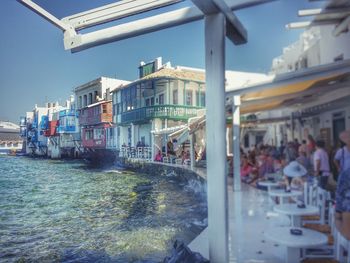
[216, 138]
[236, 143]
[152, 140]
[192, 150]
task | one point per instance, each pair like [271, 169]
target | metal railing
[144, 153]
[174, 112]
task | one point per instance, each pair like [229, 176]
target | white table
[283, 195]
[268, 184]
[295, 212]
[293, 243]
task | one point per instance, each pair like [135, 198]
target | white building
[95, 90]
[323, 110]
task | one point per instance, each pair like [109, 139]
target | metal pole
[216, 138]
[236, 143]
[192, 150]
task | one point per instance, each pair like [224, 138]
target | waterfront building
[94, 108]
[318, 113]
[37, 128]
[10, 139]
[161, 101]
[69, 131]
[95, 90]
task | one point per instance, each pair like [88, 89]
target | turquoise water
[61, 211]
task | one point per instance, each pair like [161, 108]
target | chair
[328, 250]
[317, 197]
[165, 159]
[342, 245]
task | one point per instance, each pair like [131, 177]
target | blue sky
[35, 68]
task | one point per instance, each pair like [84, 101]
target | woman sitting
[159, 157]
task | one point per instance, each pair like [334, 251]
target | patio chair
[328, 250]
[165, 159]
[317, 197]
[342, 245]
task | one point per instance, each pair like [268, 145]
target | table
[283, 195]
[295, 212]
[268, 184]
[293, 243]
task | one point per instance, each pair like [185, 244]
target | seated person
[246, 169]
[159, 157]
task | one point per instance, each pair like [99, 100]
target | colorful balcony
[64, 113]
[171, 112]
[52, 129]
[66, 129]
[44, 124]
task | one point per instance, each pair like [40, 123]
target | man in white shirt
[321, 164]
[342, 156]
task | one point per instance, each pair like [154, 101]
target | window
[175, 97]
[85, 101]
[90, 98]
[147, 102]
[200, 99]
[339, 58]
[189, 97]
[303, 63]
[96, 95]
[104, 108]
[111, 133]
[152, 101]
[80, 102]
[246, 141]
[98, 134]
[88, 135]
[161, 99]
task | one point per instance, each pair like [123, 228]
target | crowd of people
[320, 162]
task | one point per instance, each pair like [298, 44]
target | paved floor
[250, 213]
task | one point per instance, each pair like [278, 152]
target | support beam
[46, 15]
[234, 29]
[78, 42]
[192, 150]
[216, 139]
[114, 11]
[342, 27]
[320, 12]
[307, 24]
[236, 122]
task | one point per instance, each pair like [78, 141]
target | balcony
[172, 112]
[64, 113]
[66, 129]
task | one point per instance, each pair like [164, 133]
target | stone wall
[181, 174]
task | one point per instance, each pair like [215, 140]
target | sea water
[64, 211]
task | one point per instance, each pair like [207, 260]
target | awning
[291, 89]
[168, 130]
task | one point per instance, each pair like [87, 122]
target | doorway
[338, 126]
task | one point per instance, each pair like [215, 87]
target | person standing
[321, 164]
[342, 204]
[342, 156]
[310, 146]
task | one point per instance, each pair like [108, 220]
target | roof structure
[295, 88]
[176, 73]
[335, 12]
